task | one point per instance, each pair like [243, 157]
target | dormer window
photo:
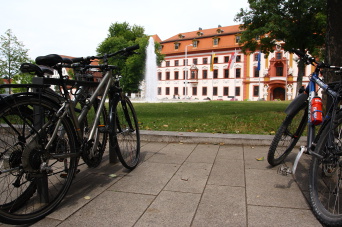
[237, 38]
[216, 41]
[219, 31]
[177, 45]
[195, 43]
[181, 36]
[199, 33]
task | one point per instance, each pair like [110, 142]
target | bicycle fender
[11, 98]
[298, 103]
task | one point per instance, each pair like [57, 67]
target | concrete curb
[195, 137]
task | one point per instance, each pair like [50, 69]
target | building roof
[204, 37]
[203, 33]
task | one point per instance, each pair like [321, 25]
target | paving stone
[147, 178]
[111, 209]
[191, 177]
[221, 206]
[170, 209]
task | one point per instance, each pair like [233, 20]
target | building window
[256, 91]
[226, 73]
[214, 91]
[204, 91]
[184, 75]
[175, 91]
[167, 76]
[205, 74]
[215, 73]
[279, 69]
[176, 62]
[215, 41]
[226, 91]
[237, 39]
[205, 60]
[237, 91]
[238, 58]
[256, 72]
[159, 90]
[177, 46]
[159, 76]
[194, 91]
[256, 57]
[238, 73]
[279, 55]
[167, 63]
[176, 75]
[193, 74]
[194, 61]
[195, 43]
[167, 91]
[215, 60]
[226, 59]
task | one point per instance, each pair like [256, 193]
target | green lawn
[213, 117]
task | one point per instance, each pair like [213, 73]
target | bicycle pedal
[64, 175]
[284, 170]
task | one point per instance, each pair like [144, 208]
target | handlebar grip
[75, 60]
[131, 48]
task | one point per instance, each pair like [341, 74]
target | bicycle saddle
[38, 70]
[49, 60]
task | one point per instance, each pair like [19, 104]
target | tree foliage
[300, 24]
[12, 55]
[122, 35]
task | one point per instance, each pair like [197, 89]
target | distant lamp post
[186, 71]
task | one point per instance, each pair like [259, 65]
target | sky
[76, 27]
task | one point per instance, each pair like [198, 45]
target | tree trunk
[333, 44]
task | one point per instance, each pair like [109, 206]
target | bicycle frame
[311, 134]
[69, 106]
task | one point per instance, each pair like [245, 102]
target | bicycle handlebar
[311, 60]
[127, 50]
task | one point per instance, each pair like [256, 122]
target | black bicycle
[325, 147]
[44, 134]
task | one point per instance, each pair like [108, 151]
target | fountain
[149, 85]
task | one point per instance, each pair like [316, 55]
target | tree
[12, 55]
[333, 38]
[122, 35]
[299, 23]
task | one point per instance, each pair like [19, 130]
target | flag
[232, 60]
[259, 59]
[212, 62]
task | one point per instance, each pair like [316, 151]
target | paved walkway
[185, 183]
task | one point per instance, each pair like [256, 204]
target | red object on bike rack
[316, 111]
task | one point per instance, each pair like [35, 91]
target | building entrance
[279, 93]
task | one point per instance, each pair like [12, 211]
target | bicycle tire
[93, 153]
[287, 137]
[29, 192]
[126, 137]
[325, 175]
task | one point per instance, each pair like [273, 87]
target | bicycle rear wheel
[126, 137]
[33, 180]
[287, 137]
[325, 175]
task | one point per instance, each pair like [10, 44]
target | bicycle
[325, 147]
[43, 137]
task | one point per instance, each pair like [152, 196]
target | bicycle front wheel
[126, 136]
[287, 137]
[325, 175]
[33, 180]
